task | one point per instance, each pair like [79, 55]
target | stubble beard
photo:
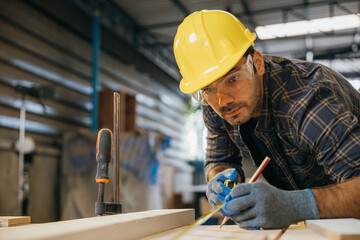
[248, 108]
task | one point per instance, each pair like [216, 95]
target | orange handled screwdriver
[103, 157]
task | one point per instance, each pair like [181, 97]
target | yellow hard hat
[207, 45]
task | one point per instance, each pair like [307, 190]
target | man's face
[237, 96]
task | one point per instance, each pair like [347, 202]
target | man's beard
[231, 107]
[247, 108]
[234, 120]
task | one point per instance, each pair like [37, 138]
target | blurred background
[62, 60]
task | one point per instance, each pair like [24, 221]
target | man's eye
[207, 90]
[233, 78]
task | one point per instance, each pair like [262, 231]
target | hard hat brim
[189, 87]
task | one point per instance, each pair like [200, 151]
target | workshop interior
[92, 120]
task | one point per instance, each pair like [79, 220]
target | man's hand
[216, 190]
[262, 205]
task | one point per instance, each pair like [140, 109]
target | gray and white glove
[216, 190]
[262, 205]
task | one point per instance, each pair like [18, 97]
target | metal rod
[101, 192]
[116, 146]
[95, 70]
[21, 155]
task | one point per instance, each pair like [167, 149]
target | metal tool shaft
[116, 146]
[101, 192]
[21, 156]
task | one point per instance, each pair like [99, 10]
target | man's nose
[224, 98]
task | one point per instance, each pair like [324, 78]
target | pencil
[278, 236]
[252, 179]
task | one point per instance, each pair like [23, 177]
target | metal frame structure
[123, 24]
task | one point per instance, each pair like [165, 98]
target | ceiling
[161, 18]
[156, 22]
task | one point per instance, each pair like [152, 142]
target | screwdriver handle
[103, 155]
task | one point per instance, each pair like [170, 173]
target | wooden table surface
[234, 232]
[167, 223]
[321, 229]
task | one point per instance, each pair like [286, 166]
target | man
[303, 115]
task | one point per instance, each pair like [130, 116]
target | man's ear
[259, 62]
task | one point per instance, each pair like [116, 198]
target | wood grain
[228, 232]
[10, 221]
[121, 226]
[337, 229]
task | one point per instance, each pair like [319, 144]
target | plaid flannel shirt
[309, 123]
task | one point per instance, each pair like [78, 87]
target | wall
[37, 48]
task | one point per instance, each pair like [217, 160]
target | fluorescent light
[310, 26]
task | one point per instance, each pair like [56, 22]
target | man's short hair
[250, 50]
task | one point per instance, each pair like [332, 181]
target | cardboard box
[127, 110]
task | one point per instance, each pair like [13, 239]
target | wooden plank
[337, 229]
[229, 232]
[43, 179]
[127, 110]
[10, 221]
[121, 226]
[9, 183]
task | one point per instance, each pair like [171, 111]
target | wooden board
[337, 229]
[121, 226]
[165, 224]
[10, 221]
[229, 232]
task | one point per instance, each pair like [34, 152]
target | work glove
[262, 205]
[216, 190]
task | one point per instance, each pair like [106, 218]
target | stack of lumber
[9, 221]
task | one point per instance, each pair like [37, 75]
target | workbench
[166, 223]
